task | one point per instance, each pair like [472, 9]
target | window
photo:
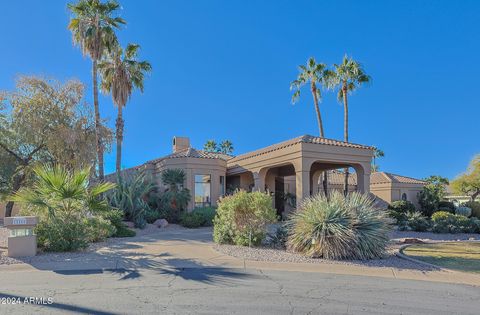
[202, 190]
[222, 186]
[404, 197]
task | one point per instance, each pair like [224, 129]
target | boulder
[161, 223]
[413, 241]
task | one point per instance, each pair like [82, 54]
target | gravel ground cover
[389, 261]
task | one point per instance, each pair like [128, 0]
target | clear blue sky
[222, 70]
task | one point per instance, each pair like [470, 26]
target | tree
[314, 74]
[93, 29]
[210, 146]
[226, 147]
[60, 130]
[469, 182]
[176, 197]
[432, 193]
[377, 153]
[349, 76]
[121, 72]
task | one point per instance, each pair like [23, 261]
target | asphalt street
[226, 291]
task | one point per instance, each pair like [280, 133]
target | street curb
[403, 256]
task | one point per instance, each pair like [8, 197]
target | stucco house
[290, 168]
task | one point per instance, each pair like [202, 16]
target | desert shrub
[58, 235]
[174, 200]
[339, 227]
[403, 206]
[475, 206]
[152, 215]
[68, 207]
[192, 219]
[242, 217]
[445, 205]
[464, 211]
[208, 213]
[444, 222]
[279, 238]
[98, 229]
[131, 196]
[416, 221]
[115, 216]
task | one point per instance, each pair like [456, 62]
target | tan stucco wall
[390, 192]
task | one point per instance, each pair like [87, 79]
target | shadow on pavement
[60, 306]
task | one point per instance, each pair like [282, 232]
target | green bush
[279, 238]
[444, 222]
[198, 217]
[464, 211]
[402, 206]
[415, 221]
[446, 206]
[339, 227]
[115, 216]
[208, 213]
[69, 208]
[130, 196]
[152, 215]
[475, 206]
[98, 229]
[242, 217]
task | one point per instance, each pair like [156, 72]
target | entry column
[259, 181]
[302, 183]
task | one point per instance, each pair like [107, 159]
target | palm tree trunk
[322, 134]
[119, 124]
[317, 109]
[345, 134]
[101, 172]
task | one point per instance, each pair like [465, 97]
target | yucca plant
[130, 196]
[339, 227]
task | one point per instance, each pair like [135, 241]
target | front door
[279, 195]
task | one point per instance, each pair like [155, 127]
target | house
[290, 169]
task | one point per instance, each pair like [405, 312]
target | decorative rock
[161, 223]
[471, 238]
[413, 241]
[129, 224]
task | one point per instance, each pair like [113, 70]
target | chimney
[180, 143]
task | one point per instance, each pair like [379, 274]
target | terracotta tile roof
[336, 177]
[199, 154]
[301, 139]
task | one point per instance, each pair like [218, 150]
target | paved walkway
[181, 248]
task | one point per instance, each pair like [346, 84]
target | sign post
[22, 241]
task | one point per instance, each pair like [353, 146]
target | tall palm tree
[349, 76]
[121, 72]
[210, 146]
[377, 153]
[93, 29]
[226, 147]
[314, 74]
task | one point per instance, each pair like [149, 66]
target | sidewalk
[183, 249]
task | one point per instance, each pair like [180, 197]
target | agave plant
[130, 196]
[339, 227]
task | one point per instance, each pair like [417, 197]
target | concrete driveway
[178, 271]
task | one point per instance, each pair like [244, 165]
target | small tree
[226, 147]
[176, 198]
[210, 146]
[432, 194]
[469, 182]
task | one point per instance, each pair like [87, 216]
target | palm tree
[210, 146]
[377, 153]
[121, 72]
[226, 147]
[314, 74]
[349, 75]
[93, 29]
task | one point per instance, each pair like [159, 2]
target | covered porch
[292, 170]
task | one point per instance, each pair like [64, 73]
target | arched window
[404, 197]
